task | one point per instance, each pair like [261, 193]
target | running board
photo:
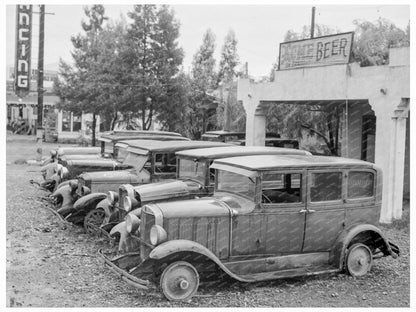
[305, 271]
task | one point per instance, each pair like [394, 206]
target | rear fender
[170, 248]
[372, 233]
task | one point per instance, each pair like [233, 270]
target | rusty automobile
[71, 161]
[271, 217]
[194, 178]
[147, 161]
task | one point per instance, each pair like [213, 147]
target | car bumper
[123, 274]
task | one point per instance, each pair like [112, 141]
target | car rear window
[360, 184]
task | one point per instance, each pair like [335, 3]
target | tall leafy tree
[78, 85]
[204, 81]
[373, 40]
[155, 58]
[229, 112]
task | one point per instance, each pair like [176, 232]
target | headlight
[127, 203]
[73, 184]
[132, 223]
[158, 235]
[111, 197]
[63, 172]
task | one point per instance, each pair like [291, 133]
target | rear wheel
[359, 260]
[93, 219]
[179, 281]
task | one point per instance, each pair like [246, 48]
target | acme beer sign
[327, 50]
[23, 49]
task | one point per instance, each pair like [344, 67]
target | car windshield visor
[190, 169]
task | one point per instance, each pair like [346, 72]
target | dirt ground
[49, 264]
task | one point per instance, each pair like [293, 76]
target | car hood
[99, 162]
[203, 207]
[167, 189]
[122, 176]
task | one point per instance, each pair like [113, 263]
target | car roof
[169, 146]
[231, 151]
[138, 132]
[271, 162]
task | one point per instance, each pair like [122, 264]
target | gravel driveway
[50, 264]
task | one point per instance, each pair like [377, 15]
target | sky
[259, 28]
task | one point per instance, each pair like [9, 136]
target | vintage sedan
[271, 217]
[194, 178]
[57, 171]
[149, 161]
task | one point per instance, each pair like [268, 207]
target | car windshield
[135, 160]
[121, 153]
[235, 183]
[195, 170]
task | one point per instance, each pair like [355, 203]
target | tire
[179, 281]
[94, 217]
[359, 260]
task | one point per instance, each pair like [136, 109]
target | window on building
[66, 121]
[76, 123]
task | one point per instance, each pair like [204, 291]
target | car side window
[325, 186]
[278, 188]
[165, 163]
[360, 184]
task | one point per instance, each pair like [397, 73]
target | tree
[77, 86]
[229, 110]
[373, 40]
[154, 57]
[204, 82]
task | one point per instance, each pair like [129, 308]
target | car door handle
[305, 210]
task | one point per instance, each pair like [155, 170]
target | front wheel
[93, 219]
[359, 260]
[179, 281]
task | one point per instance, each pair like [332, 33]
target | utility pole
[313, 22]
[40, 72]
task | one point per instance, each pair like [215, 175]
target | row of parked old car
[187, 211]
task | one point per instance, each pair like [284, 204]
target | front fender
[108, 210]
[65, 183]
[88, 202]
[339, 251]
[66, 196]
[174, 246]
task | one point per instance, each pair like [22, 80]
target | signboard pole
[40, 65]
[40, 128]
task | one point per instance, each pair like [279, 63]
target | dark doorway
[368, 142]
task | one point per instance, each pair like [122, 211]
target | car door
[325, 209]
[276, 227]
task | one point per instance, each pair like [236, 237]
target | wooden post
[313, 22]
